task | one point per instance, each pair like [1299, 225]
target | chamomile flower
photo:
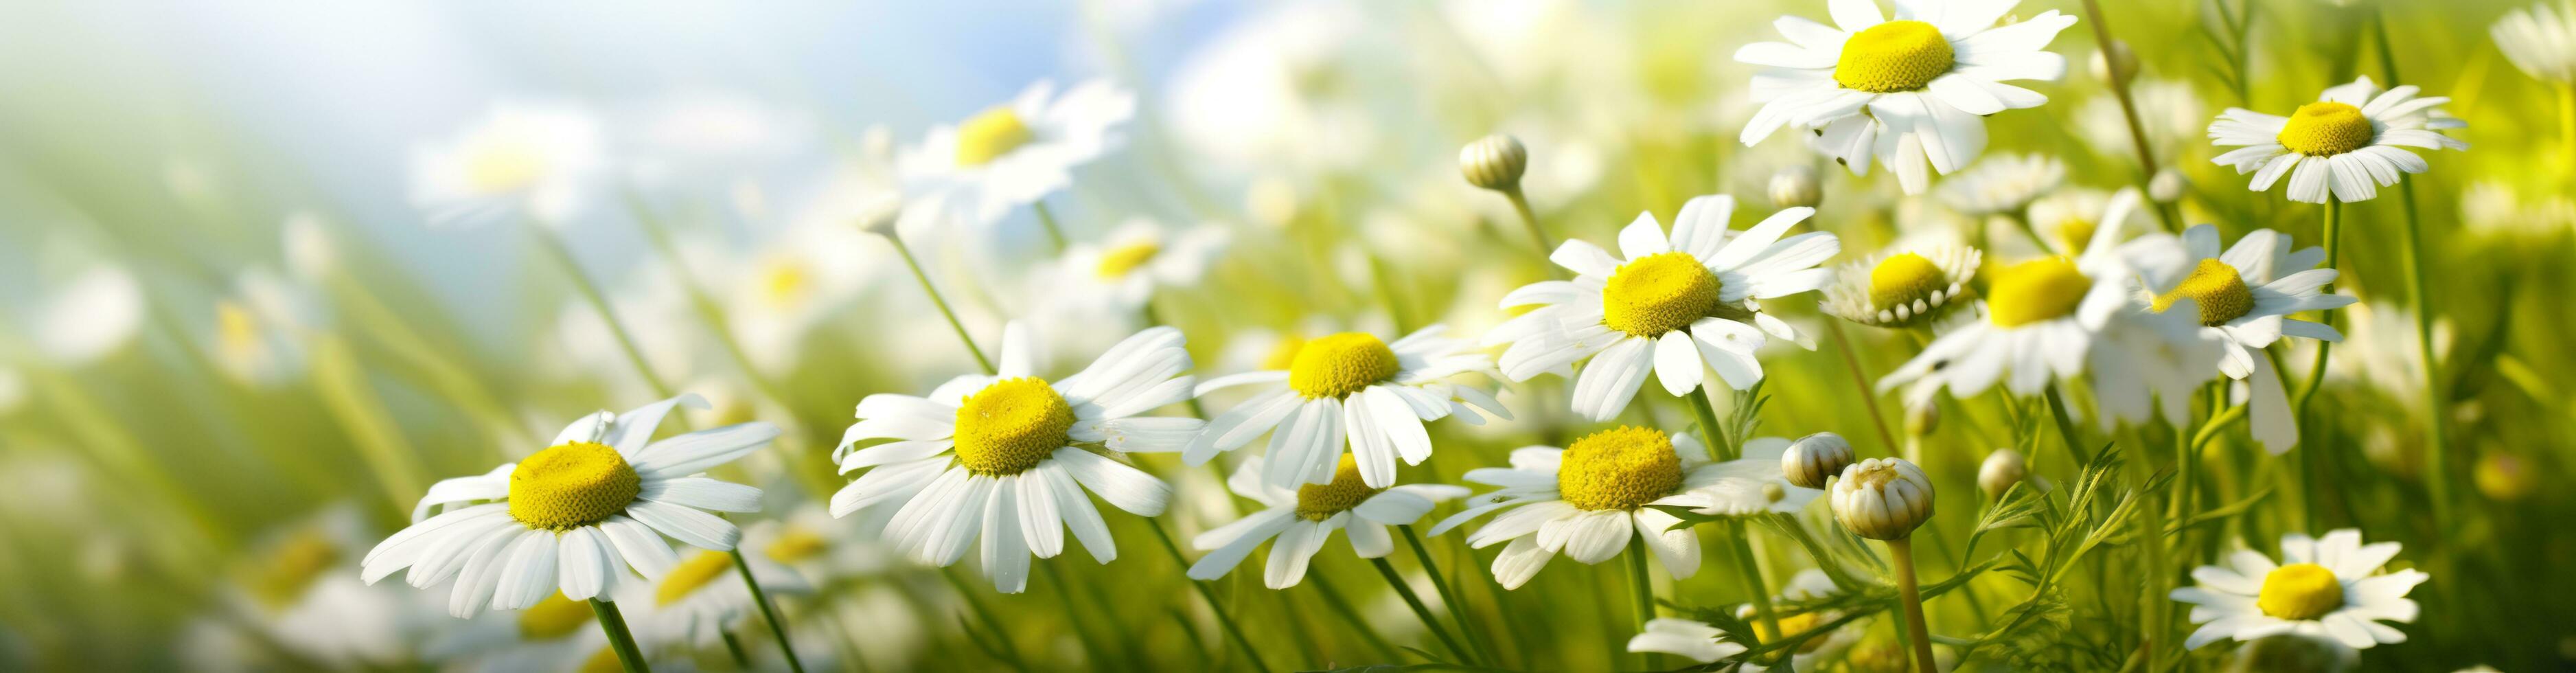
[556, 634]
[2244, 296]
[2345, 144]
[1903, 287]
[1676, 307]
[820, 549]
[1705, 644]
[1349, 389]
[92, 316]
[2004, 185]
[537, 161]
[1122, 273]
[703, 598]
[1588, 499]
[297, 591]
[2540, 40]
[1907, 91]
[994, 457]
[1015, 153]
[255, 331]
[575, 515]
[1303, 518]
[2328, 587]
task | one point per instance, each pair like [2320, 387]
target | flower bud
[2119, 56]
[1924, 419]
[1494, 162]
[2002, 469]
[1882, 498]
[878, 214]
[1796, 186]
[2166, 186]
[1815, 458]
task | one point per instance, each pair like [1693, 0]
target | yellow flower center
[989, 135]
[1317, 502]
[1794, 625]
[1903, 279]
[2218, 290]
[2325, 129]
[554, 617]
[571, 485]
[1011, 426]
[1893, 56]
[1340, 364]
[690, 575]
[2036, 290]
[796, 544]
[1283, 355]
[505, 166]
[1117, 262]
[292, 567]
[2300, 591]
[784, 283]
[1619, 468]
[2073, 233]
[1658, 293]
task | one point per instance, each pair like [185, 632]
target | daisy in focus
[996, 457]
[1349, 389]
[1907, 286]
[1908, 92]
[1677, 307]
[2327, 587]
[1015, 153]
[1589, 499]
[2244, 296]
[538, 161]
[576, 515]
[2345, 145]
[1303, 518]
[1706, 644]
[1121, 274]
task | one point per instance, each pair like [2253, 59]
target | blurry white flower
[798, 280]
[556, 634]
[576, 515]
[819, 548]
[1795, 186]
[301, 588]
[95, 314]
[1905, 92]
[311, 255]
[2066, 219]
[1013, 154]
[2004, 185]
[1675, 307]
[1755, 482]
[2346, 143]
[2380, 348]
[702, 598]
[2496, 208]
[2245, 296]
[2329, 587]
[2540, 40]
[1304, 518]
[1700, 642]
[1269, 93]
[1353, 389]
[13, 390]
[536, 161]
[1590, 499]
[2170, 111]
[1120, 274]
[994, 456]
[256, 331]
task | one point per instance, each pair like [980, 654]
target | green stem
[1396, 580]
[1642, 588]
[614, 624]
[2567, 118]
[1750, 570]
[1911, 596]
[1091, 648]
[562, 254]
[769, 613]
[2437, 451]
[1860, 383]
[1721, 448]
[733, 646]
[1001, 639]
[1529, 220]
[2332, 233]
[1342, 607]
[2128, 110]
[1232, 631]
[2066, 428]
[944, 311]
[1449, 598]
[1055, 232]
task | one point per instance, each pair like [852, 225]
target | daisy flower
[2329, 587]
[2345, 144]
[522, 160]
[821, 550]
[2004, 186]
[556, 634]
[1903, 287]
[1122, 273]
[575, 515]
[1702, 643]
[1588, 499]
[1015, 153]
[700, 600]
[2540, 40]
[1676, 307]
[1349, 389]
[93, 315]
[995, 457]
[1303, 518]
[1907, 91]
[297, 591]
[2244, 297]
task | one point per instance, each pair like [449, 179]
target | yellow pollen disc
[291, 567]
[1011, 426]
[1658, 293]
[2217, 288]
[603, 661]
[1904, 278]
[1119, 261]
[1793, 625]
[1317, 502]
[784, 283]
[691, 574]
[554, 617]
[1619, 468]
[989, 135]
[1283, 354]
[2073, 233]
[796, 544]
[2300, 591]
[1340, 364]
[2036, 290]
[503, 166]
[2325, 129]
[235, 327]
[1893, 56]
[571, 485]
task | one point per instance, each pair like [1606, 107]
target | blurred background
[228, 329]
